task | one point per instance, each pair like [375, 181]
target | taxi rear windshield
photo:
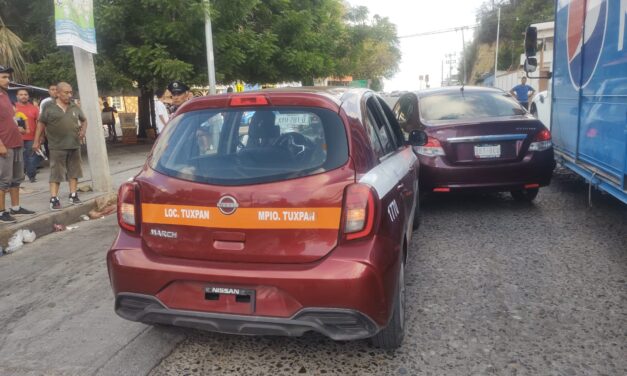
[441, 108]
[250, 146]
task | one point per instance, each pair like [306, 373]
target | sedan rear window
[460, 105]
[250, 146]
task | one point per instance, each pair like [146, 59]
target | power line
[442, 31]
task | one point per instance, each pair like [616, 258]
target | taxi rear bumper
[338, 324]
[286, 299]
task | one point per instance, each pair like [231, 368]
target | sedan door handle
[400, 187]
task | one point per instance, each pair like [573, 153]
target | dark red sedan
[275, 213]
[478, 139]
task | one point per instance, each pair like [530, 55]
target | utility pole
[463, 56]
[74, 26]
[209, 43]
[96, 148]
[496, 57]
[450, 61]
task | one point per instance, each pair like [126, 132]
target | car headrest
[262, 128]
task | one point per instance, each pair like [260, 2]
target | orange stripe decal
[243, 218]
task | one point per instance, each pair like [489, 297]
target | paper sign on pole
[74, 23]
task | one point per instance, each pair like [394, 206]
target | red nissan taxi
[273, 213]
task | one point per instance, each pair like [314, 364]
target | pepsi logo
[587, 24]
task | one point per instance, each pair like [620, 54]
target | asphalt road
[495, 288]
[56, 311]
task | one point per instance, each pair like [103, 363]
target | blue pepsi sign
[586, 27]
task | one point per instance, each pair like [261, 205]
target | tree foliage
[372, 47]
[11, 51]
[144, 44]
[151, 42]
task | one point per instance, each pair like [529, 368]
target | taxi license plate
[242, 298]
[488, 151]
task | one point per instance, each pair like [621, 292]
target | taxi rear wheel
[392, 335]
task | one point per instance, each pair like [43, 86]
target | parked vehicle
[276, 213]
[540, 108]
[587, 101]
[478, 139]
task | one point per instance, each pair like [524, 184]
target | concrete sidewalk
[124, 162]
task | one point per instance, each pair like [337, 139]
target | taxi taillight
[248, 100]
[128, 206]
[358, 211]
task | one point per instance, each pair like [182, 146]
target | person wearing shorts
[65, 126]
[11, 158]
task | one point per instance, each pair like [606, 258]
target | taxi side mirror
[417, 138]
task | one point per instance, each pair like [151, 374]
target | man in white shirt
[161, 111]
[52, 91]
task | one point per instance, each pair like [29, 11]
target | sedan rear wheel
[392, 335]
[525, 195]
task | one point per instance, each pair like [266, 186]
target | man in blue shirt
[523, 92]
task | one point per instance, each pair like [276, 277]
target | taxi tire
[525, 195]
[392, 335]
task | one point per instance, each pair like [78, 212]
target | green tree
[45, 63]
[268, 41]
[371, 47]
[516, 15]
[144, 44]
[151, 42]
[11, 51]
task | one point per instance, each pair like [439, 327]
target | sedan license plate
[487, 151]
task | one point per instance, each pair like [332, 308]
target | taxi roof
[329, 97]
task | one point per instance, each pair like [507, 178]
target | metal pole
[496, 56]
[450, 68]
[210, 58]
[96, 148]
[463, 56]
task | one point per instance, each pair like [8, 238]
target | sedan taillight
[128, 202]
[359, 210]
[542, 141]
[432, 148]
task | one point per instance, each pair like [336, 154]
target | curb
[43, 224]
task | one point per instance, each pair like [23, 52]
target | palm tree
[11, 52]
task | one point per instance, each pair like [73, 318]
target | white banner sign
[74, 23]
